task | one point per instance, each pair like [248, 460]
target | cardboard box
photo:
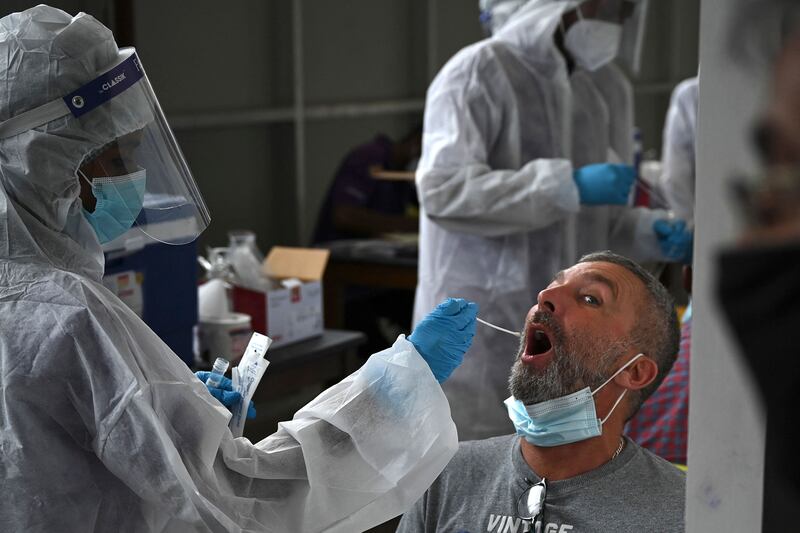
[291, 314]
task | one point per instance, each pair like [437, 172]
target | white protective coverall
[505, 124]
[102, 427]
[678, 153]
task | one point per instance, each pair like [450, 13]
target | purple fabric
[353, 185]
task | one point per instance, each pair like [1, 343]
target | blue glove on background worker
[604, 183]
[442, 337]
[225, 393]
[675, 240]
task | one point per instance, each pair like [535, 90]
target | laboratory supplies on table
[292, 311]
[223, 336]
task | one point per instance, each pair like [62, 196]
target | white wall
[726, 422]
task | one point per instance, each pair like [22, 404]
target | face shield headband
[120, 109]
[615, 11]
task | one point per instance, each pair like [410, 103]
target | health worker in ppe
[678, 153]
[102, 427]
[523, 168]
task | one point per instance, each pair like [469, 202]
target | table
[354, 264]
[323, 359]
[297, 373]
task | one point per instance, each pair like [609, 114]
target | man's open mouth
[537, 341]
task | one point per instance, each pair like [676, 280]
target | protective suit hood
[532, 26]
[496, 13]
[45, 54]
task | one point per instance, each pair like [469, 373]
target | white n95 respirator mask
[593, 43]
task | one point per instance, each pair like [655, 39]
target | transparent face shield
[633, 26]
[630, 14]
[137, 176]
[614, 11]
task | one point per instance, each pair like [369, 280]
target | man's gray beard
[569, 371]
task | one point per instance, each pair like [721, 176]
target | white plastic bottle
[246, 259]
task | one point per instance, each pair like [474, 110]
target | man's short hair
[656, 332]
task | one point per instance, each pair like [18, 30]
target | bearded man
[598, 342]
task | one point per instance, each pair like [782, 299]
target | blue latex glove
[604, 183]
[225, 393]
[445, 335]
[675, 240]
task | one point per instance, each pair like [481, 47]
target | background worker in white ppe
[678, 153]
[102, 427]
[662, 423]
[517, 177]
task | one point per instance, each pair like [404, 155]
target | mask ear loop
[102, 167]
[561, 20]
[615, 374]
[82, 175]
[580, 13]
[621, 396]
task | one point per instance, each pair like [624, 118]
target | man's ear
[639, 375]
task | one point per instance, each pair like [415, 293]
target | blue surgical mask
[119, 201]
[562, 420]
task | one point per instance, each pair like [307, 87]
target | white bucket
[224, 337]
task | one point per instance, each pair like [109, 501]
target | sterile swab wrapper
[498, 328]
[246, 377]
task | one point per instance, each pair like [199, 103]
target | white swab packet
[246, 377]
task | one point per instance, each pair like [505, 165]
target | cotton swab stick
[498, 328]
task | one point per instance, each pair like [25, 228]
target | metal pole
[677, 38]
[261, 116]
[433, 38]
[231, 119]
[299, 119]
[387, 107]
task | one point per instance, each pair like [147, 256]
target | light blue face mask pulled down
[563, 420]
[119, 201]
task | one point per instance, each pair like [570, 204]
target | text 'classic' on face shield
[137, 173]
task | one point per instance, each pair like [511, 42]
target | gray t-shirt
[478, 492]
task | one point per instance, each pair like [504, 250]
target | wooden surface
[383, 273]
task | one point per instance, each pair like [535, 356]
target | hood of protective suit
[44, 55]
[496, 13]
[531, 27]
